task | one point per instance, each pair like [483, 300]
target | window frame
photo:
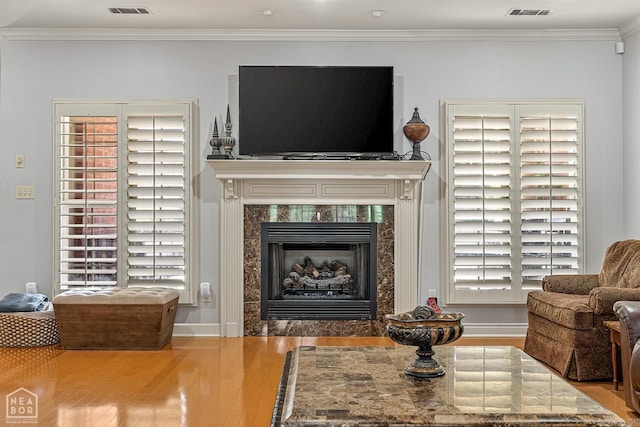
[517, 110]
[122, 109]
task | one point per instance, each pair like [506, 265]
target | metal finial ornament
[215, 127]
[222, 146]
[416, 131]
[228, 141]
[215, 138]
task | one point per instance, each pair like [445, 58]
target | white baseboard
[196, 330]
[495, 330]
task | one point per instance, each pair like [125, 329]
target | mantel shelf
[320, 169]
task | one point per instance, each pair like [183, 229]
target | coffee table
[357, 386]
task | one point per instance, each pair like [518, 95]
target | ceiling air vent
[129, 10]
[529, 12]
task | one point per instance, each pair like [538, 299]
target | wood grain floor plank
[192, 382]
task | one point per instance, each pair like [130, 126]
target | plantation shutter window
[513, 199]
[156, 200]
[482, 201]
[551, 193]
[87, 211]
[123, 205]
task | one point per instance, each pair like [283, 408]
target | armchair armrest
[629, 314]
[601, 300]
[577, 284]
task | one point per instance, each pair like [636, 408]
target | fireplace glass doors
[318, 271]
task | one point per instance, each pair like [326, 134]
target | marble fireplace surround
[316, 182]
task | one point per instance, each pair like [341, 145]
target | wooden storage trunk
[116, 319]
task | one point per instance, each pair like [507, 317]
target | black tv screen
[315, 110]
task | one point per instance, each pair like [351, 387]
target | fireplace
[318, 271]
[248, 189]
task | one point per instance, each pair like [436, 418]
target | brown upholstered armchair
[629, 314]
[565, 318]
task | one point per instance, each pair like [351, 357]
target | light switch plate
[25, 192]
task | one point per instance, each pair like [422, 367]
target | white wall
[631, 106]
[33, 73]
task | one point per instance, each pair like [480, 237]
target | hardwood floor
[191, 382]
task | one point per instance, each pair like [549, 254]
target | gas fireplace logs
[329, 276]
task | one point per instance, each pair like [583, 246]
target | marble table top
[497, 386]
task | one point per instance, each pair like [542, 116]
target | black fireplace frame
[320, 233]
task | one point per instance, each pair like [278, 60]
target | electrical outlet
[25, 192]
[431, 293]
[205, 292]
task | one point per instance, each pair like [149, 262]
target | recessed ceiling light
[267, 12]
[376, 13]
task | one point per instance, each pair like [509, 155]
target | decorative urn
[416, 131]
[423, 327]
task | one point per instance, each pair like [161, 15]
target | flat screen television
[315, 110]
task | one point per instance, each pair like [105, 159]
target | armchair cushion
[570, 311]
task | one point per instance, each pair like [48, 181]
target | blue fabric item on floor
[15, 302]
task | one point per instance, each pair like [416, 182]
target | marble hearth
[253, 191]
[255, 215]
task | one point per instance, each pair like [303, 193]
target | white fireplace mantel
[327, 182]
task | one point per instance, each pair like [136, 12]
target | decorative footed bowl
[424, 328]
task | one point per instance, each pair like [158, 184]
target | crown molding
[629, 28]
[306, 35]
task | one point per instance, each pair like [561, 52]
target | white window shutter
[87, 207]
[156, 192]
[551, 193]
[514, 197]
[124, 187]
[480, 189]
[481, 200]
